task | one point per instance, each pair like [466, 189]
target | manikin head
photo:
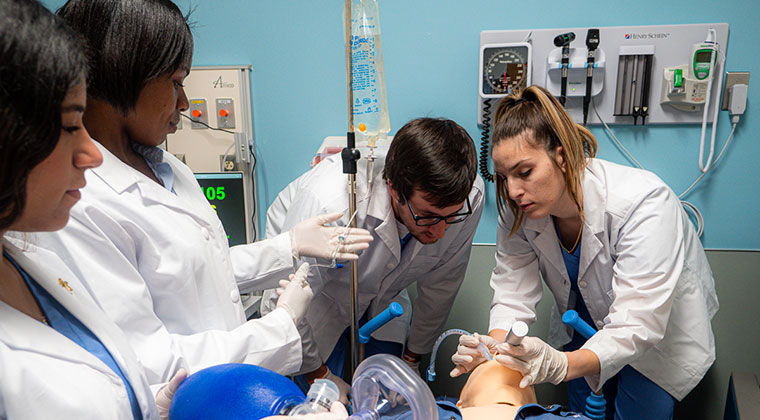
[430, 168]
[493, 392]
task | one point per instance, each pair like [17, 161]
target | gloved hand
[343, 387]
[468, 355]
[310, 238]
[295, 294]
[337, 412]
[536, 360]
[165, 394]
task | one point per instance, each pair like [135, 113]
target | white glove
[165, 394]
[310, 238]
[295, 294]
[337, 412]
[343, 387]
[468, 355]
[536, 360]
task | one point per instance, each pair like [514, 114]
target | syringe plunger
[516, 334]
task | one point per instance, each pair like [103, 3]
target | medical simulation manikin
[492, 392]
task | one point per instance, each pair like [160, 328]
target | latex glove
[165, 394]
[295, 294]
[343, 387]
[337, 412]
[536, 360]
[310, 238]
[468, 355]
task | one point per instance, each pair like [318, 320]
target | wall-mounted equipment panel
[560, 57]
[219, 96]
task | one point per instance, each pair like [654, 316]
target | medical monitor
[225, 191]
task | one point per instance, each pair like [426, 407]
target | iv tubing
[431, 368]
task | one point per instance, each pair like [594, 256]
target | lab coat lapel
[37, 337]
[54, 278]
[593, 224]
[547, 243]
[47, 269]
[380, 208]
[185, 198]
[121, 177]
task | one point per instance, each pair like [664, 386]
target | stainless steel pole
[350, 144]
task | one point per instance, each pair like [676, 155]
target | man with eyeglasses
[422, 208]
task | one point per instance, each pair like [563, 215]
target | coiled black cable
[487, 176]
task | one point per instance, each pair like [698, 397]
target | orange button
[223, 113]
[196, 113]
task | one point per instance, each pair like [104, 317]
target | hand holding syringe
[516, 334]
[295, 294]
[475, 349]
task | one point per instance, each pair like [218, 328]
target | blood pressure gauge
[504, 68]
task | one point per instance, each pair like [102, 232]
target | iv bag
[370, 107]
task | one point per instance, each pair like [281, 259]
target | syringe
[302, 274]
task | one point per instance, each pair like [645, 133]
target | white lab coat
[384, 270]
[159, 264]
[47, 376]
[643, 275]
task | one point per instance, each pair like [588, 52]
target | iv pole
[350, 155]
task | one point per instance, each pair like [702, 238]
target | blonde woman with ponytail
[612, 243]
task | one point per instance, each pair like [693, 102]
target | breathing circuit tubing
[431, 368]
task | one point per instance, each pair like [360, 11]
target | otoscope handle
[572, 319]
[393, 310]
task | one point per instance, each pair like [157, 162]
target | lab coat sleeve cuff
[607, 365]
[284, 355]
[283, 244]
[261, 265]
[282, 318]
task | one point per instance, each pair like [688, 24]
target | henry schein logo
[648, 36]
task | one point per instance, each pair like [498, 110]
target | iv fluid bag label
[369, 102]
[365, 82]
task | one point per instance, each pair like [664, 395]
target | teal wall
[430, 50]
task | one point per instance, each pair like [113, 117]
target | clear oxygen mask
[382, 382]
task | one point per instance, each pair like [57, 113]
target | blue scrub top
[572, 263]
[60, 319]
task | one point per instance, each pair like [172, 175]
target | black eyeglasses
[434, 220]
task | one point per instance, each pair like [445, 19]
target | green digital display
[225, 191]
